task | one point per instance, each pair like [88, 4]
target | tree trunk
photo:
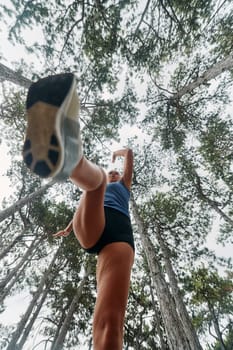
[14, 77]
[36, 312]
[26, 200]
[34, 316]
[216, 327]
[158, 322]
[62, 317]
[180, 306]
[211, 73]
[7, 290]
[58, 345]
[10, 246]
[24, 259]
[21, 325]
[209, 201]
[174, 329]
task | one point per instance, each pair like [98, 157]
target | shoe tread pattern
[42, 150]
[45, 149]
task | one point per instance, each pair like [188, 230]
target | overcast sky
[10, 54]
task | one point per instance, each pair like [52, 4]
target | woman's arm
[66, 231]
[127, 176]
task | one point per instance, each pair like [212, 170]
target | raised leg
[89, 219]
[113, 279]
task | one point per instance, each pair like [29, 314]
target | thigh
[113, 278]
[117, 228]
[89, 218]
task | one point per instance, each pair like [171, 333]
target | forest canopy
[155, 76]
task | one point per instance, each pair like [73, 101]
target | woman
[101, 224]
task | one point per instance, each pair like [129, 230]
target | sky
[15, 306]
[13, 53]
[5, 183]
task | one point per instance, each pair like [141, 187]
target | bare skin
[113, 279]
[115, 260]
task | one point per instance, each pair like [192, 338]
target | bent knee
[86, 231]
[110, 323]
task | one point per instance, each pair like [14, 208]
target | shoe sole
[47, 104]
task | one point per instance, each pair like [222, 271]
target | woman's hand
[119, 153]
[62, 233]
[127, 153]
[65, 232]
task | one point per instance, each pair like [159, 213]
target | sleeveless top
[117, 197]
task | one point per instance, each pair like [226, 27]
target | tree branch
[224, 65]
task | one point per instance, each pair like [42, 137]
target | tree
[228, 340]
[7, 74]
[24, 201]
[176, 334]
[18, 332]
[58, 343]
[164, 68]
[215, 294]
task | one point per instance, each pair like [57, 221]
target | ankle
[88, 176]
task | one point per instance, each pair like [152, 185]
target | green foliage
[228, 341]
[151, 51]
[222, 37]
[143, 318]
[208, 287]
[143, 35]
[225, 237]
[107, 116]
[211, 297]
[216, 147]
[51, 218]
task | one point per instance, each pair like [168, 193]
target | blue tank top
[117, 197]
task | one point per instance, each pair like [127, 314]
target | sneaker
[53, 146]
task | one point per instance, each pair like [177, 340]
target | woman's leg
[87, 175]
[53, 147]
[113, 280]
[89, 219]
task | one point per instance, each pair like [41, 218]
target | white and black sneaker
[53, 146]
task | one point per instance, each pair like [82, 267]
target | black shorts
[117, 229]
